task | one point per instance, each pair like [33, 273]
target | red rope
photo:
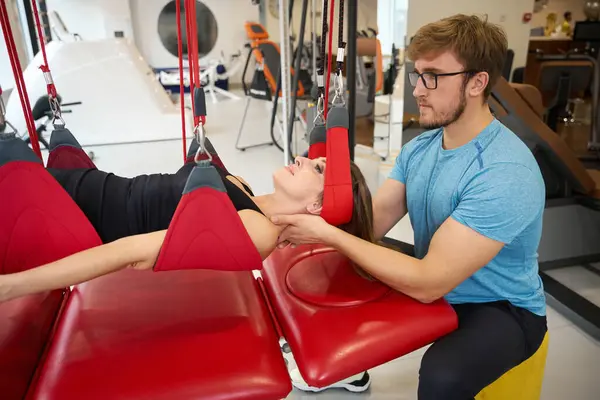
[328, 74]
[19, 80]
[194, 56]
[188, 26]
[45, 67]
[181, 85]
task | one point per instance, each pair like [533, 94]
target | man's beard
[444, 121]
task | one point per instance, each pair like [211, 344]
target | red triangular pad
[207, 233]
[69, 157]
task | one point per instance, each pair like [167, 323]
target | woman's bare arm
[139, 251]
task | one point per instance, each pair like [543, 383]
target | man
[475, 196]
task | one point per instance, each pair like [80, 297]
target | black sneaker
[357, 383]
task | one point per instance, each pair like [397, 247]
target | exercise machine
[183, 323]
[571, 227]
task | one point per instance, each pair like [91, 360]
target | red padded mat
[182, 335]
[333, 343]
[326, 278]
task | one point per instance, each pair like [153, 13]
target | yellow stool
[523, 382]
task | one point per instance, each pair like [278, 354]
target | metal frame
[570, 238]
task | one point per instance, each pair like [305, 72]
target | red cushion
[185, 334]
[39, 223]
[334, 341]
[69, 157]
[206, 232]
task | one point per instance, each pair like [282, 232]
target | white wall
[94, 19]
[6, 74]
[507, 13]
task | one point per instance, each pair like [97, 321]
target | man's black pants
[491, 339]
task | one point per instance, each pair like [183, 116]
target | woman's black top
[118, 207]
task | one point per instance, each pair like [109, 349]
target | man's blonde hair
[478, 44]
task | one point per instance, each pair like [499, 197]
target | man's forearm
[403, 273]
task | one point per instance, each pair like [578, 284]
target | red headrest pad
[338, 201]
[317, 140]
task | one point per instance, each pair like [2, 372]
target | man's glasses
[430, 79]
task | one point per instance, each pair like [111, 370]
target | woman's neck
[270, 204]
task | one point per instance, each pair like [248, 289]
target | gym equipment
[564, 78]
[338, 324]
[19, 80]
[264, 86]
[65, 152]
[571, 228]
[155, 30]
[304, 60]
[255, 31]
[165, 334]
[221, 241]
[32, 198]
[4, 123]
[171, 334]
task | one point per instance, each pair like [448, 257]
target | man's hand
[302, 229]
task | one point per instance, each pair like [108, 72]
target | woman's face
[302, 181]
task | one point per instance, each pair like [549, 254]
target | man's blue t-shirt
[493, 185]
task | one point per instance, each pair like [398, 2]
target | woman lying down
[131, 215]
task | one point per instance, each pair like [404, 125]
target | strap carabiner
[200, 137]
[338, 98]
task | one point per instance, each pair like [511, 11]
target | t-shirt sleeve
[401, 165]
[501, 201]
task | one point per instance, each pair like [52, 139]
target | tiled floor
[571, 371]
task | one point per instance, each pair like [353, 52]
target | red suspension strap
[332, 141]
[318, 134]
[196, 90]
[45, 67]
[19, 80]
[330, 54]
[181, 85]
[220, 241]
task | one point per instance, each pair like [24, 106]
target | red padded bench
[175, 335]
[133, 334]
[184, 334]
[339, 324]
[25, 328]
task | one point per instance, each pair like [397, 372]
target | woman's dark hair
[361, 224]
